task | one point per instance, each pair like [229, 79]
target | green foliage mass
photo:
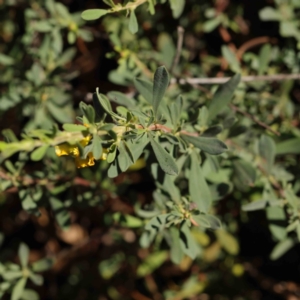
[213, 154]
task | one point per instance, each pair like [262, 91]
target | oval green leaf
[212, 146]
[165, 160]
[39, 153]
[161, 82]
[93, 14]
[133, 24]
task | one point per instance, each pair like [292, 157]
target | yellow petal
[66, 149]
[86, 140]
[85, 162]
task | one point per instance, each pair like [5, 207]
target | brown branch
[253, 43]
[222, 80]
[254, 119]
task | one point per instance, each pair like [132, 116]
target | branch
[254, 119]
[221, 80]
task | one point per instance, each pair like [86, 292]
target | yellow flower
[86, 140]
[89, 160]
[85, 162]
[67, 149]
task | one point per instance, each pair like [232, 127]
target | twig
[253, 43]
[180, 32]
[221, 80]
[254, 119]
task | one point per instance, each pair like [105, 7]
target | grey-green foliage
[14, 277]
[197, 149]
[39, 87]
[126, 135]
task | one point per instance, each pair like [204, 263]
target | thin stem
[254, 119]
[221, 80]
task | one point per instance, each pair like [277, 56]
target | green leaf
[176, 251]
[175, 110]
[66, 57]
[137, 146]
[88, 112]
[260, 204]
[106, 105]
[231, 58]
[281, 248]
[165, 160]
[42, 265]
[153, 227]
[71, 37]
[74, 127]
[43, 26]
[62, 115]
[264, 58]
[223, 96]
[23, 254]
[267, 149]
[211, 24]
[160, 84]
[145, 88]
[104, 102]
[128, 220]
[207, 221]
[98, 107]
[198, 187]
[187, 242]
[278, 232]
[113, 170]
[122, 99]
[109, 267]
[290, 146]
[212, 146]
[151, 263]
[177, 7]
[112, 154]
[26, 200]
[133, 24]
[269, 14]
[212, 131]
[151, 7]
[125, 159]
[93, 14]
[62, 215]
[11, 275]
[292, 199]
[30, 295]
[39, 153]
[245, 172]
[18, 289]
[97, 146]
[36, 279]
[109, 3]
[228, 242]
[6, 60]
